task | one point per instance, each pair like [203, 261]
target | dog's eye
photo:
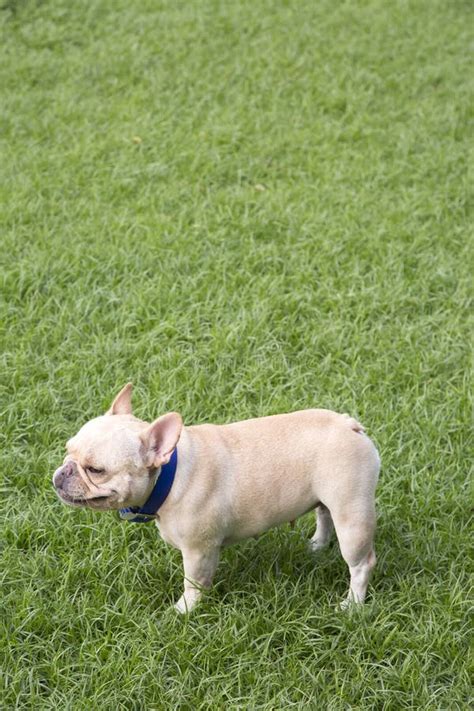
[93, 470]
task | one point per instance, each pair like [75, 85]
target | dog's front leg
[199, 569]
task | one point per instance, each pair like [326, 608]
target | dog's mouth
[93, 501]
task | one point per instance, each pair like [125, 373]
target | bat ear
[161, 438]
[122, 405]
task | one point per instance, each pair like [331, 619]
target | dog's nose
[62, 473]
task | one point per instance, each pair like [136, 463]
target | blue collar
[162, 488]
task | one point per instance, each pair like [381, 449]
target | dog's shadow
[280, 561]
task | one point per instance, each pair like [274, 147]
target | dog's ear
[161, 437]
[122, 405]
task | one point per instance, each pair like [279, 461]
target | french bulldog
[232, 482]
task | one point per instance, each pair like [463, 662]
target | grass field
[245, 208]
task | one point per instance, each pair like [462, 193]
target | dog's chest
[167, 534]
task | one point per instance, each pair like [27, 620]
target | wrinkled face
[106, 465]
[112, 461]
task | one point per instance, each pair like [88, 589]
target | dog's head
[111, 461]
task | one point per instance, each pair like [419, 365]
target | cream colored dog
[232, 482]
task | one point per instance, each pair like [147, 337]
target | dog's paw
[316, 546]
[345, 604]
[181, 606]
[185, 604]
[349, 604]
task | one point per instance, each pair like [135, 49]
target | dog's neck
[159, 493]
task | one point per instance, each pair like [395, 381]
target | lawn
[246, 208]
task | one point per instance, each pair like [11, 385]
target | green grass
[245, 208]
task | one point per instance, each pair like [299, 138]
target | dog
[219, 484]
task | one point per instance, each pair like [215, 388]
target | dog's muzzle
[62, 474]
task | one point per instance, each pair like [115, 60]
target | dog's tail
[353, 424]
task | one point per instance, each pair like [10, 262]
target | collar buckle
[133, 515]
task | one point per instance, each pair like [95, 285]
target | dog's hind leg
[324, 528]
[355, 533]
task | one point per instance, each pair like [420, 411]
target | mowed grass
[246, 208]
